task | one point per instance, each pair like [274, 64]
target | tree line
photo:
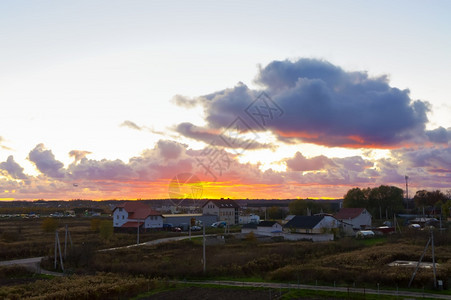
[384, 201]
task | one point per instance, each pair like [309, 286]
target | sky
[236, 99]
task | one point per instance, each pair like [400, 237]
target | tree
[446, 208]
[385, 199]
[302, 207]
[276, 213]
[355, 198]
[425, 198]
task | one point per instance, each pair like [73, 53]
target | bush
[49, 224]
[106, 229]
[95, 224]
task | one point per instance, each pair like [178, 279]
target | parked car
[219, 224]
[196, 228]
[415, 226]
[363, 234]
[176, 229]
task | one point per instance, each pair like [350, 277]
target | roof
[132, 224]
[250, 225]
[267, 223]
[137, 210]
[304, 222]
[223, 203]
[348, 213]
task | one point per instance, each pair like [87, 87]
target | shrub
[95, 224]
[49, 224]
[106, 229]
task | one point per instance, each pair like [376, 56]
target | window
[122, 217]
[117, 216]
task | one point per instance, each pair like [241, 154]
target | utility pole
[430, 241]
[65, 242]
[58, 248]
[433, 259]
[137, 234]
[204, 256]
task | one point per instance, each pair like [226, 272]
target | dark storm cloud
[439, 135]
[45, 162]
[326, 105]
[13, 168]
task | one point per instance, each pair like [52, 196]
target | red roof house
[134, 214]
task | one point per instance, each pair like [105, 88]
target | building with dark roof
[359, 218]
[226, 210]
[311, 224]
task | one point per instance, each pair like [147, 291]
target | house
[311, 224]
[226, 210]
[359, 218]
[131, 215]
[267, 228]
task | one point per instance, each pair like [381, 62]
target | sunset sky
[252, 99]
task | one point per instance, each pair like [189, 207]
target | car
[219, 224]
[362, 234]
[415, 226]
[196, 228]
[176, 229]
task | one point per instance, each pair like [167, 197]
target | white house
[226, 210]
[136, 214]
[359, 218]
[311, 224]
[266, 228]
[269, 227]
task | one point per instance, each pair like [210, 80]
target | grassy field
[345, 262]
[23, 238]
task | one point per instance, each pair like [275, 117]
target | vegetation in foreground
[346, 261]
[98, 286]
